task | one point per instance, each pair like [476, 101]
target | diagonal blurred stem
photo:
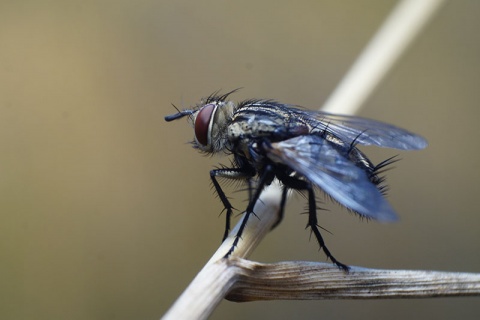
[379, 56]
[215, 280]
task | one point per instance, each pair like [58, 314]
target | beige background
[106, 212]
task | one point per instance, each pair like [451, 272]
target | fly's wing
[321, 163]
[364, 131]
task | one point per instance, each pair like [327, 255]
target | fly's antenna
[175, 107]
[179, 114]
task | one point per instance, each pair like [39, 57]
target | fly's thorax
[210, 123]
[250, 125]
[266, 119]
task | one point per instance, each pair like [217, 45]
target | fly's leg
[298, 184]
[230, 173]
[281, 211]
[313, 224]
[265, 179]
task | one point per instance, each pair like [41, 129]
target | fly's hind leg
[313, 224]
[298, 184]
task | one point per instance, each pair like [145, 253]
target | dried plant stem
[380, 55]
[299, 280]
[217, 277]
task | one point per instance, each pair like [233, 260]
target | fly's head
[209, 119]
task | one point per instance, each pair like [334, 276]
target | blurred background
[106, 212]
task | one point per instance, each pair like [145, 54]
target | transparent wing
[321, 163]
[364, 131]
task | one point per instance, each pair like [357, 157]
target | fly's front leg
[229, 173]
[265, 179]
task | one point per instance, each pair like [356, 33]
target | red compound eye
[202, 121]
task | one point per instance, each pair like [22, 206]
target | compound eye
[202, 123]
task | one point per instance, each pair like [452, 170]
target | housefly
[303, 149]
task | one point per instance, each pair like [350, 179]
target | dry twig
[300, 280]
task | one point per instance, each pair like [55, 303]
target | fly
[303, 149]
